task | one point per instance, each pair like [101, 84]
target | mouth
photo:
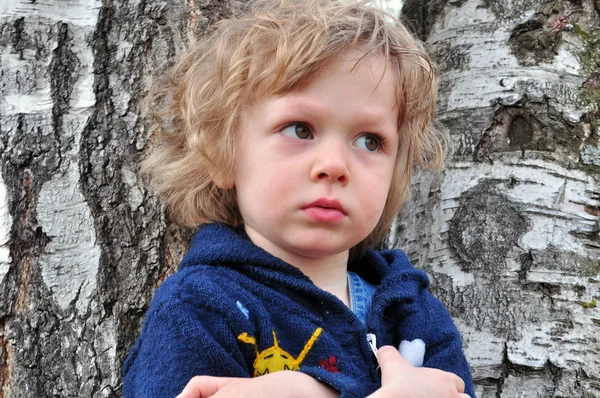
[327, 204]
[325, 210]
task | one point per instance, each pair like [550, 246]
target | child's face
[313, 167]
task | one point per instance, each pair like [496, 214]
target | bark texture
[509, 231]
[83, 244]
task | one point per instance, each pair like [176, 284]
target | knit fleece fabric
[234, 310]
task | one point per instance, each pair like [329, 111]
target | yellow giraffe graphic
[274, 358]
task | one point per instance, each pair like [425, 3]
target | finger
[459, 383]
[390, 362]
[204, 386]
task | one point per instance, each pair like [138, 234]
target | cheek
[375, 208]
[264, 187]
[374, 197]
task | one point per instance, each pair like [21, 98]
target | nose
[331, 164]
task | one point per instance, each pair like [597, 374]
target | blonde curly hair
[194, 108]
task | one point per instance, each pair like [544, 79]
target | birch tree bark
[82, 244]
[509, 231]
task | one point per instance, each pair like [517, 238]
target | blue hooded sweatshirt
[234, 310]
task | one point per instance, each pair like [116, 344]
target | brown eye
[369, 142]
[297, 130]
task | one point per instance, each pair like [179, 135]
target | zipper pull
[372, 340]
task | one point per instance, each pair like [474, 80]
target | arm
[179, 341]
[284, 384]
[444, 343]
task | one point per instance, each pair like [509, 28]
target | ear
[223, 181]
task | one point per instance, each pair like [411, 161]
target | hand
[284, 384]
[399, 379]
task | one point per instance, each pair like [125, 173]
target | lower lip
[324, 214]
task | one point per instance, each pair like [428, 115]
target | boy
[289, 137]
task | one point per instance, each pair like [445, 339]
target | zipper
[372, 340]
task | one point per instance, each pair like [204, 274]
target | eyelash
[310, 129]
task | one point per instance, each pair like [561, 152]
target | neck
[328, 272]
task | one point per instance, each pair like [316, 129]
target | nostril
[323, 175]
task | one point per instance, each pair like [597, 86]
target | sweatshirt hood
[221, 245]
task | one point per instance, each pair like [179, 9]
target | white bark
[70, 264]
[391, 6]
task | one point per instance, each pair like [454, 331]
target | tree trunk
[509, 231]
[82, 244]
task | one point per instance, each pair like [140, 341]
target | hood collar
[221, 245]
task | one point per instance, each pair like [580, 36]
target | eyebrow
[366, 116]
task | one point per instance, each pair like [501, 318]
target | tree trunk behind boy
[508, 233]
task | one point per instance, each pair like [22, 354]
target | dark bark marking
[419, 16]
[548, 290]
[452, 58]
[28, 150]
[484, 229]
[27, 181]
[586, 265]
[531, 126]
[4, 371]
[594, 210]
[64, 71]
[21, 301]
[174, 246]
[17, 39]
[548, 372]
[31, 147]
[526, 262]
[520, 132]
[504, 372]
[203, 14]
[534, 42]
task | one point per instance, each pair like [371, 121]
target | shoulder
[211, 289]
[409, 288]
[419, 316]
[397, 275]
[190, 329]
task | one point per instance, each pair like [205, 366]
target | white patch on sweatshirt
[413, 351]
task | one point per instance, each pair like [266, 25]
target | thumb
[390, 362]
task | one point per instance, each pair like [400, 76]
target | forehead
[365, 69]
[355, 77]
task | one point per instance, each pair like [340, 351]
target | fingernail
[385, 348]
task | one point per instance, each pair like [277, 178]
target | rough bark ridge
[509, 231]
